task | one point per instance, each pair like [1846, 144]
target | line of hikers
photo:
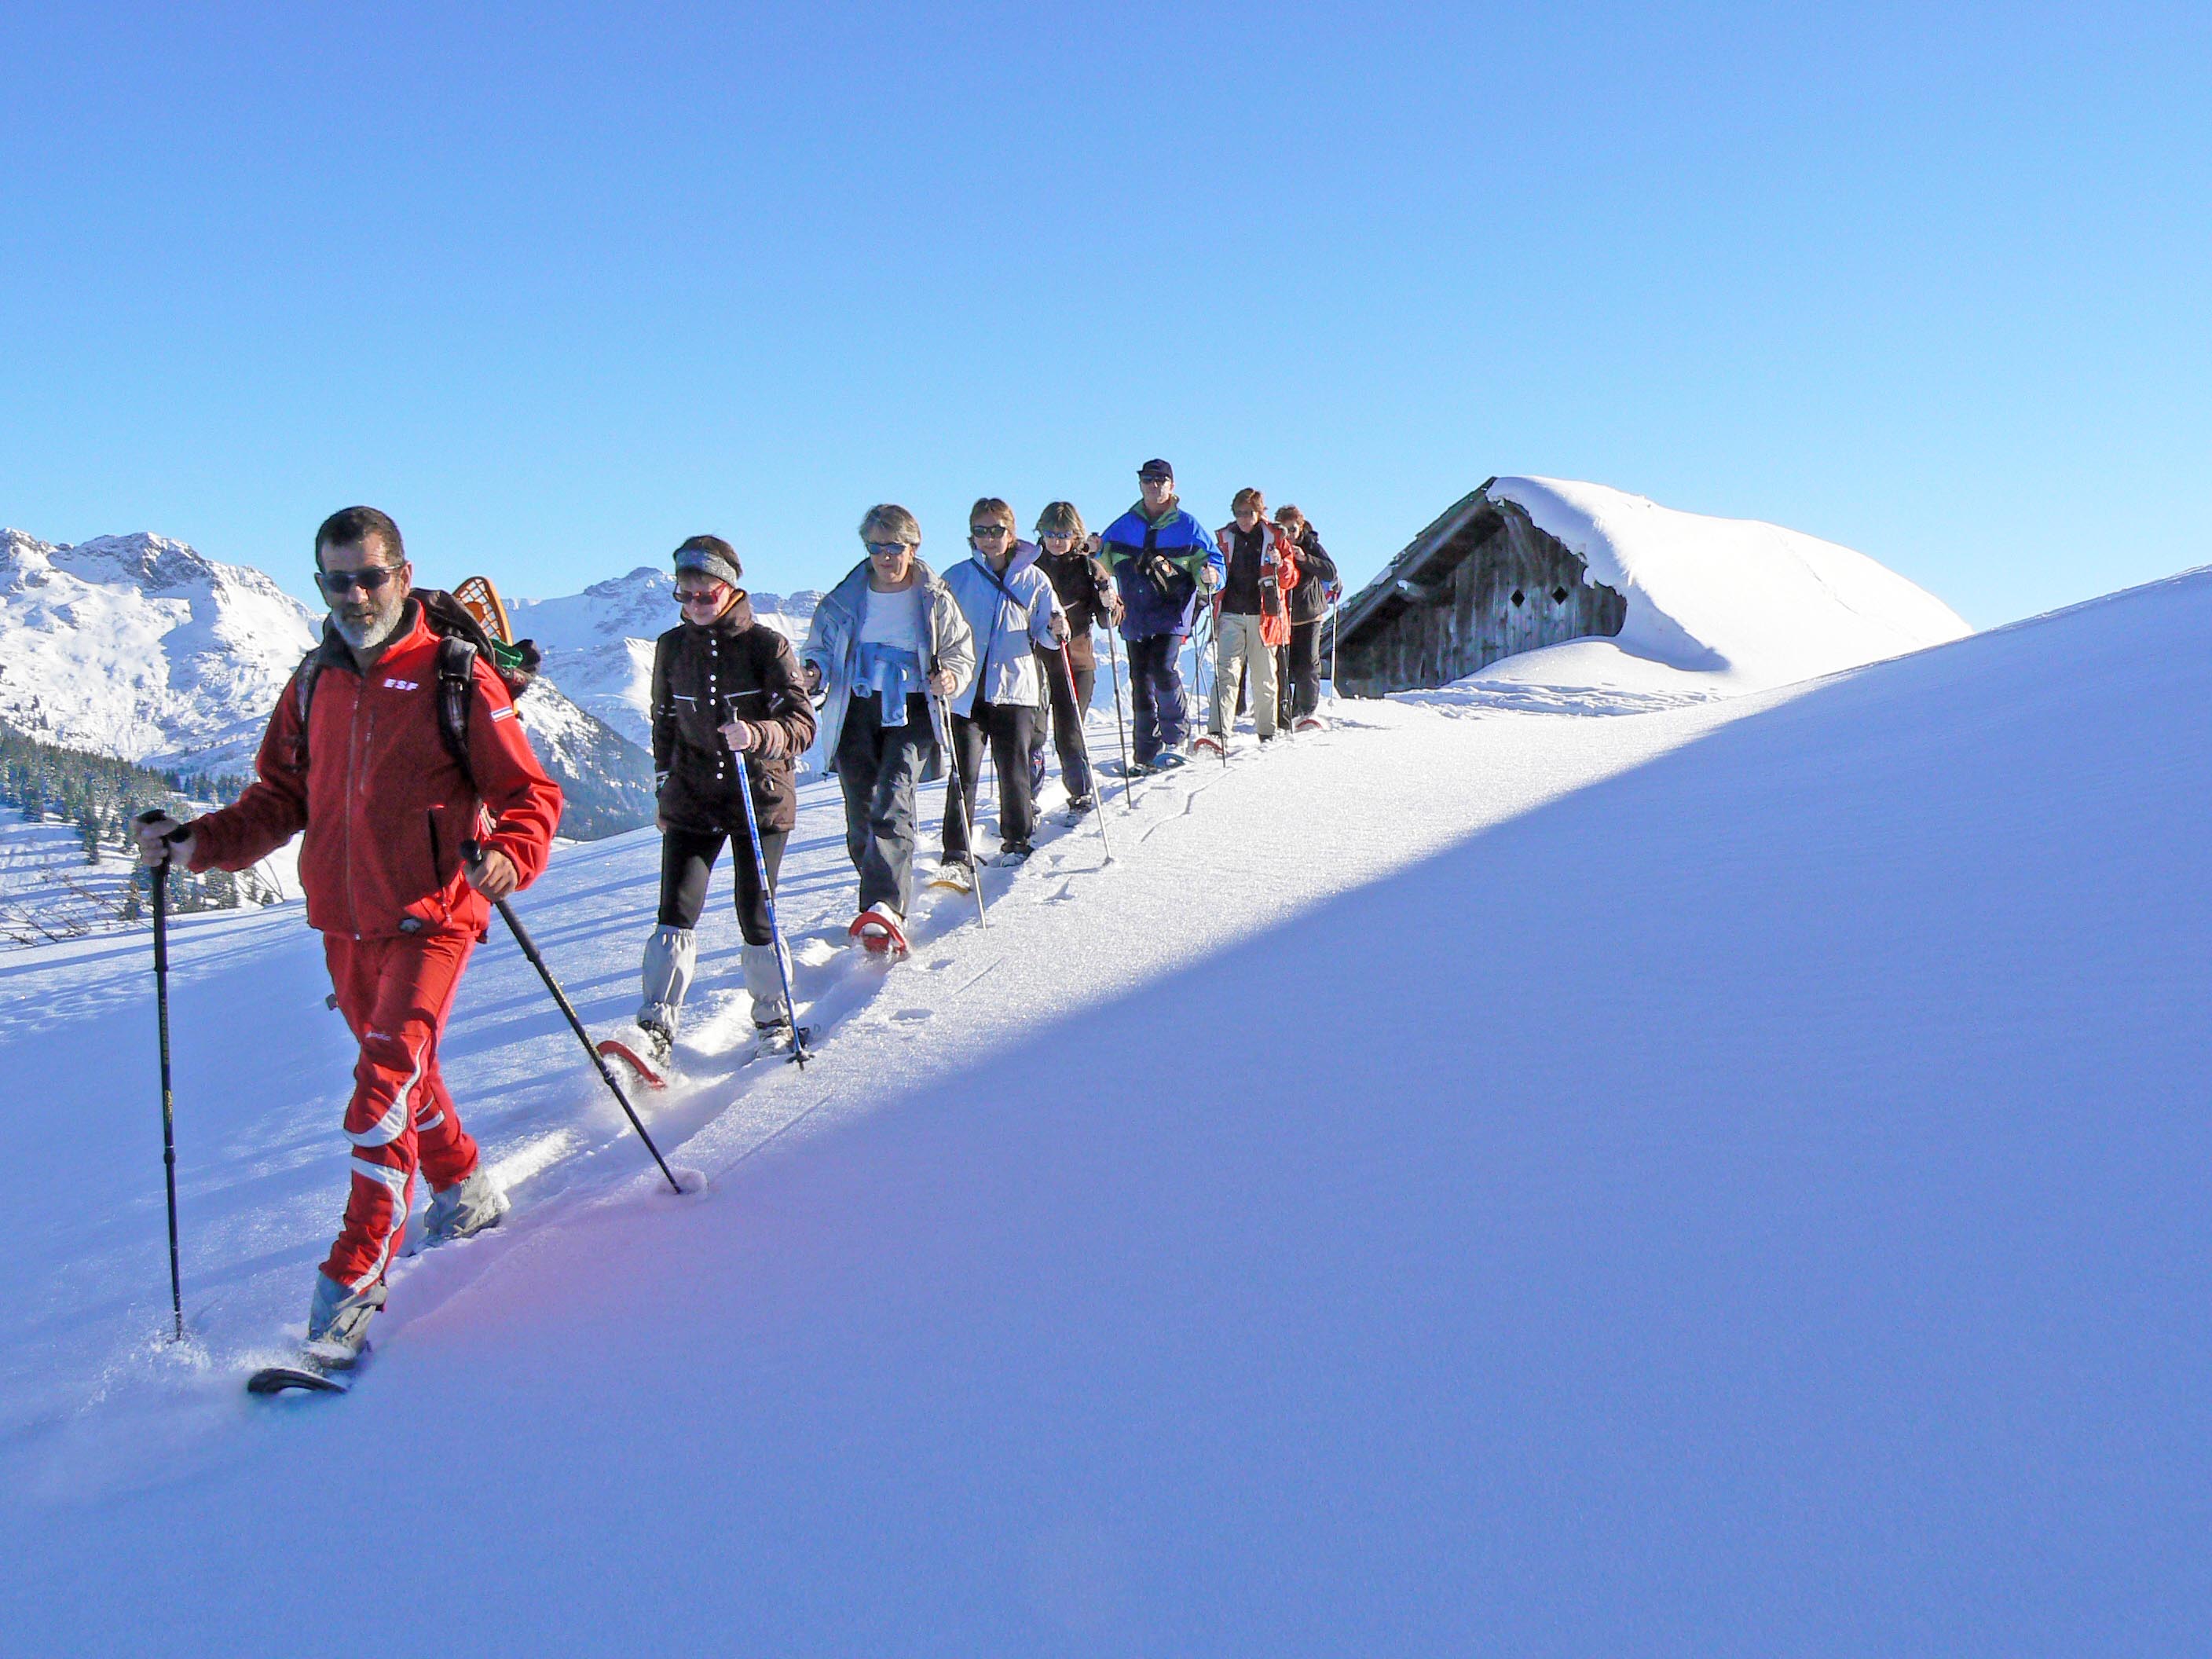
[423, 803]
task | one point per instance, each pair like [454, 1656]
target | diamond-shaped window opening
[1558, 596]
[1519, 598]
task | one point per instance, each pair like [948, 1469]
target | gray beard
[366, 636]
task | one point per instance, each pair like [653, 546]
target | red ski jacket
[384, 804]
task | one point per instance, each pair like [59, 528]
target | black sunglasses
[371, 580]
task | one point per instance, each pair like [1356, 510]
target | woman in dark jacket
[1298, 688]
[1086, 594]
[729, 706]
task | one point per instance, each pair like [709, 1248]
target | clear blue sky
[559, 287]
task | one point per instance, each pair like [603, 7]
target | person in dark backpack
[360, 754]
[1299, 685]
[729, 708]
[1163, 564]
[1086, 596]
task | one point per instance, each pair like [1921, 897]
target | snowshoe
[463, 1210]
[1080, 808]
[645, 1072]
[307, 1377]
[1015, 853]
[881, 929]
[954, 875]
[1210, 743]
[1168, 761]
[1310, 723]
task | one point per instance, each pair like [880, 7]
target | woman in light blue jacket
[887, 647]
[1012, 611]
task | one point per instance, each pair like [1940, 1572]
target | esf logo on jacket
[401, 685]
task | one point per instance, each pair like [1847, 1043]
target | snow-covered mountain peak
[598, 643]
[631, 606]
[154, 563]
[141, 646]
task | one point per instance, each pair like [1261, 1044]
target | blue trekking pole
[775, 927]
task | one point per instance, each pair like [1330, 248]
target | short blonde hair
[887, 521]
[1060, 519]
[989, 509]
[1251, 498]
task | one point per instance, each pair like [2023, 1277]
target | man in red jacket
[386, 807]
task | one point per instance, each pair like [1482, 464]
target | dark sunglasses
[988, 532]
[371, 580]
[886, 549]
[696, 596]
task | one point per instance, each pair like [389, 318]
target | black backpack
[461, 639]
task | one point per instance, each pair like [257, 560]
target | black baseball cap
[1156, 468]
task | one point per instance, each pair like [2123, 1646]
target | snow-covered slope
[139, 646]
[1726, 1181]
[1716, 607]
[598, 643]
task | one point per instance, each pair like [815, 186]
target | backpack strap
[457, 685]
[303, 698]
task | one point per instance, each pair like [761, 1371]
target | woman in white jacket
[1012, 611]
[887, 647]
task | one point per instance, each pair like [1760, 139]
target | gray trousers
[880, 767]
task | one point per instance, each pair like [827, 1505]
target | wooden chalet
[1480, 583]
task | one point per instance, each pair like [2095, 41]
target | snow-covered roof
[1738, 603]
[1714, 606]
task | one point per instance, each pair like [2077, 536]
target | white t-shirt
[897, 619]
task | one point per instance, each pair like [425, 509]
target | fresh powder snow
[1723, 1179]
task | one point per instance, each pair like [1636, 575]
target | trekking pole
[1120, 727]
[1083, 737]
[1335, 615]
[775, 927]
[474, 853]
[966, 810]
[161, 883]
[1228, 715]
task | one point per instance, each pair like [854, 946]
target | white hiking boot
[466, 1208]
[337, 1322]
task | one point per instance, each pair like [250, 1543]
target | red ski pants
[395, 994]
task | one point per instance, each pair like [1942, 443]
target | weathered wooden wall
[1512, 589]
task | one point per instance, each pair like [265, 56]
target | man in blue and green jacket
[1164, 563]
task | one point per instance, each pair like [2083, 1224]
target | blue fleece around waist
[890, 676]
